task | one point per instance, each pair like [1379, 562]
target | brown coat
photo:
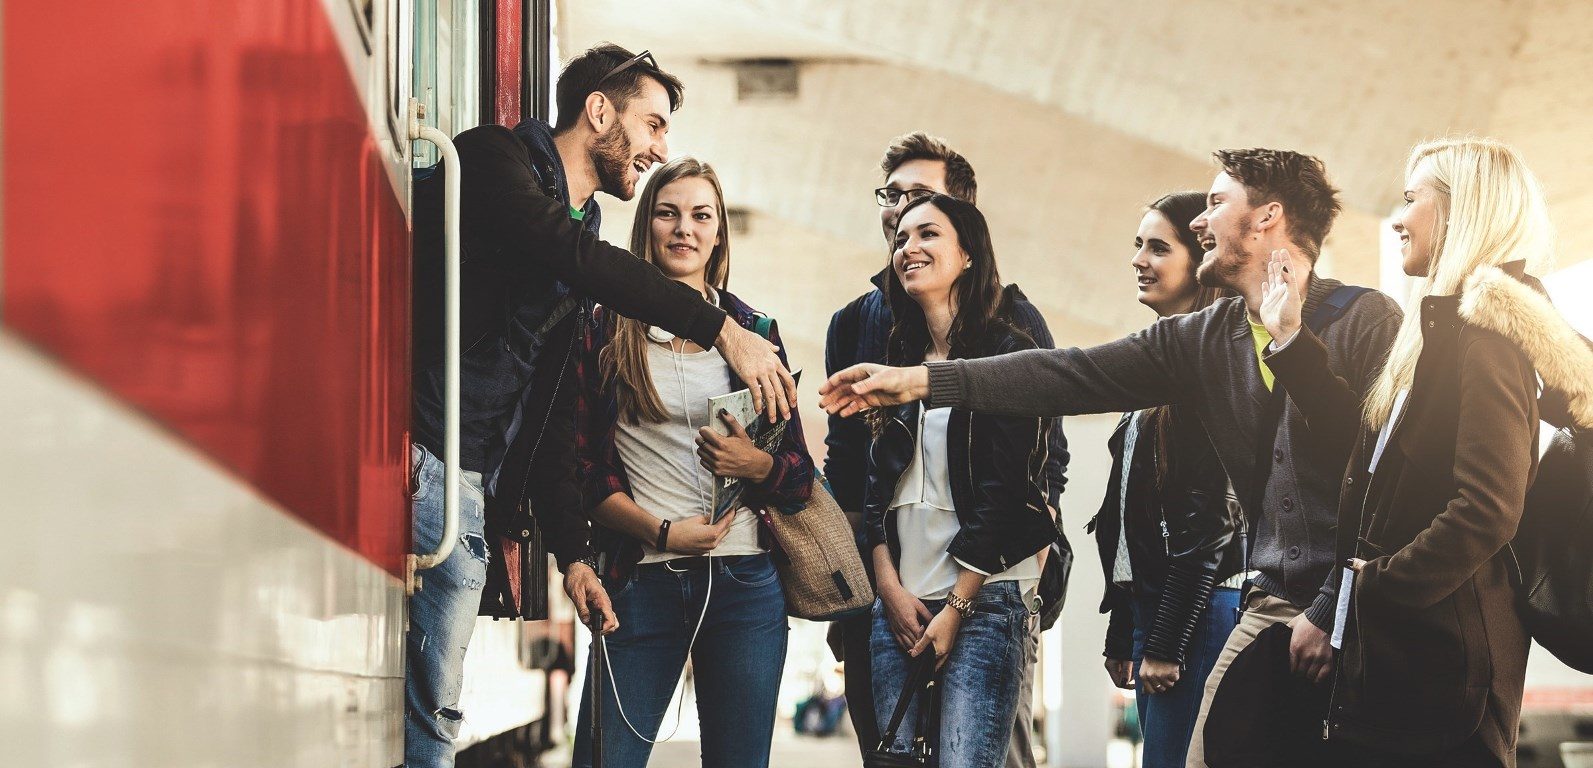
[1433, 650]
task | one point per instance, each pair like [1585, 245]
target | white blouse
[926, 519]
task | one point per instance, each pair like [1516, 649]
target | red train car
[204, 373]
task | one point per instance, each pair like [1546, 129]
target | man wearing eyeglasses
[532, 268]
[915, 165]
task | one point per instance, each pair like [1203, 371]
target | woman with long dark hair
[682, 585]
[1167, 526]
[956, 501]
[1442, 451]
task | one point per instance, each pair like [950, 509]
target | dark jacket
[528, 270]
[1182, 535]
[1206, 361]
[1433, 649]
[997, 467]
[858, 333]
[602, 472]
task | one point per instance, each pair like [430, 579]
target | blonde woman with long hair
[1442, 451]
[682, 585]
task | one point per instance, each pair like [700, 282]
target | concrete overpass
[1074, 115]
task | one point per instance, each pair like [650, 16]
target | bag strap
[599, 669]
[929, 718]
[764, 326]
[1332, 308]
[917, 676]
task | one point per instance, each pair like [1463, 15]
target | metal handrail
[450, 458]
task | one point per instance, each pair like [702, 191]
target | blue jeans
[736, 662]
[442, 614]
[1167, 720]
[979, 684]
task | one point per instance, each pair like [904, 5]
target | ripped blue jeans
[442, 613]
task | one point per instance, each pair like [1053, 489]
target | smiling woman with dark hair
[1166, 529]
[956, 501]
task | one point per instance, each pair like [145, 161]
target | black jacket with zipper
[527, 275]
[998, 479]
[1182, 537]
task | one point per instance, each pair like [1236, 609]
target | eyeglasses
[643, 57]
[889, 197]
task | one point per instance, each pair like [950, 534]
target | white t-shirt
[661, 459]
[926, 520]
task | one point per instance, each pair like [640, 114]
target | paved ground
[790, 751]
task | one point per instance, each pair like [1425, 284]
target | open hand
[870, 385]
[1280, 297]
[755, 362]
[732, 456]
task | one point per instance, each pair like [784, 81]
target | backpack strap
[764, 326]
[1334, 306]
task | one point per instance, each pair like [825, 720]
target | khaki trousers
[1261, 611]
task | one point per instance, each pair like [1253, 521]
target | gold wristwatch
[962, 605]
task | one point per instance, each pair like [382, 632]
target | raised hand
[870, 385]
[1280, 298]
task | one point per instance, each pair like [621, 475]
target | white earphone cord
[702, 500]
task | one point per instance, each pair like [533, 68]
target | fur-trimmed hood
[1513, 305]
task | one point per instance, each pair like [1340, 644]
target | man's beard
[611, 155]
[1223, 271]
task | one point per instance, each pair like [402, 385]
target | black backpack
[1553, 549]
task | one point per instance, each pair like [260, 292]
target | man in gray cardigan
[1261, 201]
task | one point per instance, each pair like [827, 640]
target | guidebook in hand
[727, 490]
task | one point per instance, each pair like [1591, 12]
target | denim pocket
[419, 459]
[752, 571]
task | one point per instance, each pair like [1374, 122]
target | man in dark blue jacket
[531, 268]
[918, 164]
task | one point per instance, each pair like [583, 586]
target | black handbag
[923, 682]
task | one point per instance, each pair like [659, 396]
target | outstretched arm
[1142, 370]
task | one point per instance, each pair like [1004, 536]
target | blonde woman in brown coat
[1433, 656]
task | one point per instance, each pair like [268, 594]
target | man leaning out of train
[534, 266]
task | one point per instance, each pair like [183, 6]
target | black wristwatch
[662, 545]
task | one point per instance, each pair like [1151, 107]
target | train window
[447, 72]
[396, 22]
[364, 19]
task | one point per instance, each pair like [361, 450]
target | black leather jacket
[1181, 536]
[998, 479]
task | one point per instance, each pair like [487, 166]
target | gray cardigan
[1206, 361]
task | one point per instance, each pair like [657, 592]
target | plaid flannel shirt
[602, 472]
